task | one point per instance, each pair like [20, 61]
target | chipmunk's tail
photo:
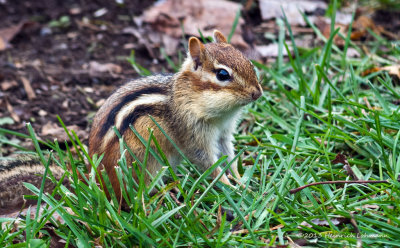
[15, 171]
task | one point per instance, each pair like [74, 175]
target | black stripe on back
[110, 121]
[141, 110]
[7, 165]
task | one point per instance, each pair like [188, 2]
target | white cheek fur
[212, 104]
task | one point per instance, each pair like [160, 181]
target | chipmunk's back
[137, 98]
[131, 104]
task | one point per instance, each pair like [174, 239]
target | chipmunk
[24, 168]
[197, 107]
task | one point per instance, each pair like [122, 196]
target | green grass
[315, 106]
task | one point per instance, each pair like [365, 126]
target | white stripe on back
[128, 108]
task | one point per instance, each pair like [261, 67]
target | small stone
[42, 112]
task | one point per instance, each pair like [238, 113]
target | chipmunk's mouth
[252, 96]
[244, 102]
[247, 100]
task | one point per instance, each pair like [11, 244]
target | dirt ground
[67, 56]
[56, 62]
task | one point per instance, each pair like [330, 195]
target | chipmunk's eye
[222, 75]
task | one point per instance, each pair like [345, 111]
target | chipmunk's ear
[219, 37]
[196, 49]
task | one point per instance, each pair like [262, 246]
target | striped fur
[131, 111]
[197, 111]
[21, 169]
[128, 99]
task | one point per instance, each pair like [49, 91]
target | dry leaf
[271, 9]
[52, 130]
[6, 85]
[276, 227]
[393, 70]
[324, 25]
[319, 222]
[75, 11]
[204, 15]
[12, 113]
[243, 231]
[129, 46]
[143, 39]
[170, 44]
[340, 158]
[369, 71]
[270, 50]
[28, 88]
[357, 34]
[352, 53]
[368, 206]
[3, 45]
[7, 34]
[364, 22]
[361, 26]
[293, 244]
[85, 23]
[96, 69]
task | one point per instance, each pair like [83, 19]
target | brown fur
[198, 112]
[196, 49]
[23, 169]
[219, 37]
[229, 56]
[198, 85]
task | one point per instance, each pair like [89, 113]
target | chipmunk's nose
[256, 93]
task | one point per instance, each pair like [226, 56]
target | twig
[356, 230]
[173, 196]
[28, 88]
[218, 223]
[195, 214]
[292, 191]
[242, 231]
[10, 109]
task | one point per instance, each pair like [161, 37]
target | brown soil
[55, 60]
